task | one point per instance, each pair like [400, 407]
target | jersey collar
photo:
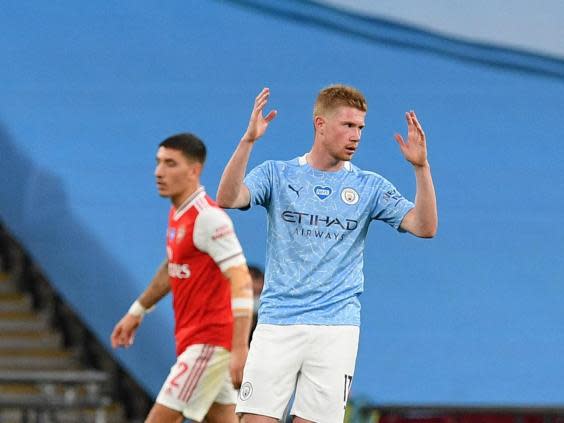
[189, 202]
[302, 160]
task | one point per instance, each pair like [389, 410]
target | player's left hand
[414, 149]
[238, 359]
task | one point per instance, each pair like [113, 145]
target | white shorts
[199, 378]
[318, 361]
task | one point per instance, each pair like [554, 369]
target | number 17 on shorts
[347, 389]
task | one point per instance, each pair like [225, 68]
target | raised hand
[258, 123]
[414, 149]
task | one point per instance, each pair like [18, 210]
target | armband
[241, 291]
[242, 306]
[138, 310]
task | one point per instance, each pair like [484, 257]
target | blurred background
[470, 320]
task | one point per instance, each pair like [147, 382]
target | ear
[319, 124]
[196, 169]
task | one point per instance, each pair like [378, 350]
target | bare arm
[422, 220]
[123, 334]
[232, 192]
[158, 287]
[242, 304]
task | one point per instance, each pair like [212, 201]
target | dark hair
[190, 145]
[255, 271]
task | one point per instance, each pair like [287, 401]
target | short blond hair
[333, 96]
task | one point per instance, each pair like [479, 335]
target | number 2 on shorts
[183, 368]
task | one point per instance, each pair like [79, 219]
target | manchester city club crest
[349, 196]
[246, 391]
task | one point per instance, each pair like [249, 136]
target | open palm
[258, 123]
[414, 149]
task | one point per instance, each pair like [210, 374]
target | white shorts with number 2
[199, 378]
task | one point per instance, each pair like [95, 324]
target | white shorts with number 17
[318, 361]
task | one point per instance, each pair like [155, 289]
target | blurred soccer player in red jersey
[212, 294]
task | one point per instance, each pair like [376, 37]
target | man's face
[175, 174]
[341, 130]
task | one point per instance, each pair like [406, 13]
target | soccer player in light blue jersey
[319, 208]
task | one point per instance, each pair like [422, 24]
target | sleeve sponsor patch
[392, 194]
[222, 231]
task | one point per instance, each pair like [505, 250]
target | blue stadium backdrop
[474, 316]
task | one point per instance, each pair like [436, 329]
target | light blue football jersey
[317, 225]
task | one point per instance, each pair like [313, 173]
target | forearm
[158, 287]
[239, 348]
[241, 332]
[425, 218]
[231, 192]
[242, 304]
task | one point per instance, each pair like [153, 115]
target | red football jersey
[201, 243]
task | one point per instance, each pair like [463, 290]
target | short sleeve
[214, 234]
[259, 183]
[389, 205]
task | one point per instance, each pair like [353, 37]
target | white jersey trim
[199, 194]
[302, 160]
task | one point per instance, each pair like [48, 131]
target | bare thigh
[254, 418]
[221, 413]
[161, 414]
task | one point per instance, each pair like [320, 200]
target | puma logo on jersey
[297, 191]
[179, 271]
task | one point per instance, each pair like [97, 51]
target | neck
[320, 159]
[178, 200]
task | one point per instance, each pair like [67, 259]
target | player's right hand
[123, 334]
[237, 364]
[258, 123]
